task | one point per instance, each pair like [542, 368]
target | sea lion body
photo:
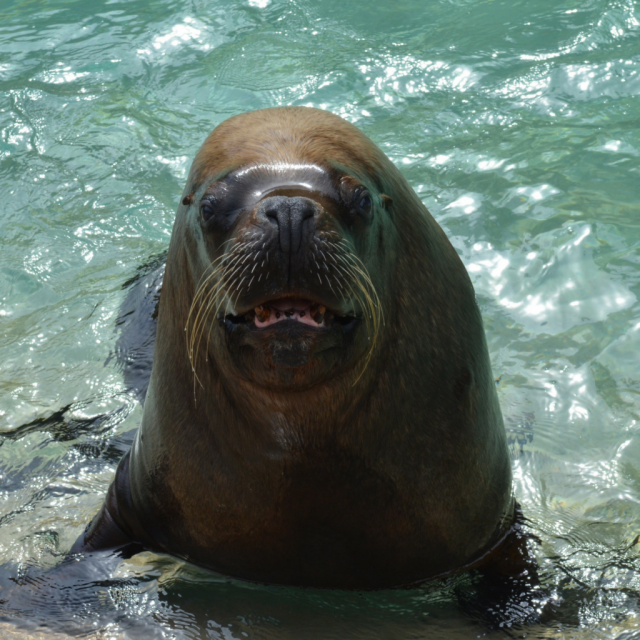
[365, 449]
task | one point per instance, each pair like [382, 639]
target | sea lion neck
[325, 411]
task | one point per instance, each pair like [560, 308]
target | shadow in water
[139, 594]
[153, 596]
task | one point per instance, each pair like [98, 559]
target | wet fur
[400, 477]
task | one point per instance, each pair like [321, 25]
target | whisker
[204, 299]
[353, 270]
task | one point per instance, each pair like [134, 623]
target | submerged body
[321, 409]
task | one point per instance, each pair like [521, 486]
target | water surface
[517, 123]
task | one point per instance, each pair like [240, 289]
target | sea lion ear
[187, 200]
[386, 201]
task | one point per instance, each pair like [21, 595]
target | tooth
[317, 312]
[262, 313]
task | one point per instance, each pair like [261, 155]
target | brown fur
[323, 480]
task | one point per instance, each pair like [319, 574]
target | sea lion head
[289, 235]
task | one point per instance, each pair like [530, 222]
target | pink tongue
[289, 309]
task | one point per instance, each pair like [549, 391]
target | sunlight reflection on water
[516, 123]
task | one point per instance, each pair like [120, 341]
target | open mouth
[312, 314]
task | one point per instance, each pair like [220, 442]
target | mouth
[292, 310]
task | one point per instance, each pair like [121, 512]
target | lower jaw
[289, 357]
[289, 371]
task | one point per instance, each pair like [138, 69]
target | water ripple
[515, 122]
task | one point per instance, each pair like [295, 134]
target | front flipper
[108, 529]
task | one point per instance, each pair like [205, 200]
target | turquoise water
[518, 123]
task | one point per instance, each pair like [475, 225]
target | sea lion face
[285, 288]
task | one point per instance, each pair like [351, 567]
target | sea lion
[321, 409]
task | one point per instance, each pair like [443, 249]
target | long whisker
[188, 334]
[220, 292]
[225, 292]
[204, 298]
[361, 269]
[352, 269]
[203, 308]
[219, 264]
[223, 277]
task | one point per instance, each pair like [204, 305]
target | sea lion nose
[290, 216]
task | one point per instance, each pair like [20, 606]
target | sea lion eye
[206, 209]
[363, 202]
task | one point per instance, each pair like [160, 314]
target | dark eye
[206, 209]
[363, 202]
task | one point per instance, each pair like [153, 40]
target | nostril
[272, 215]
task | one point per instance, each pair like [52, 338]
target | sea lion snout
[292, 218]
